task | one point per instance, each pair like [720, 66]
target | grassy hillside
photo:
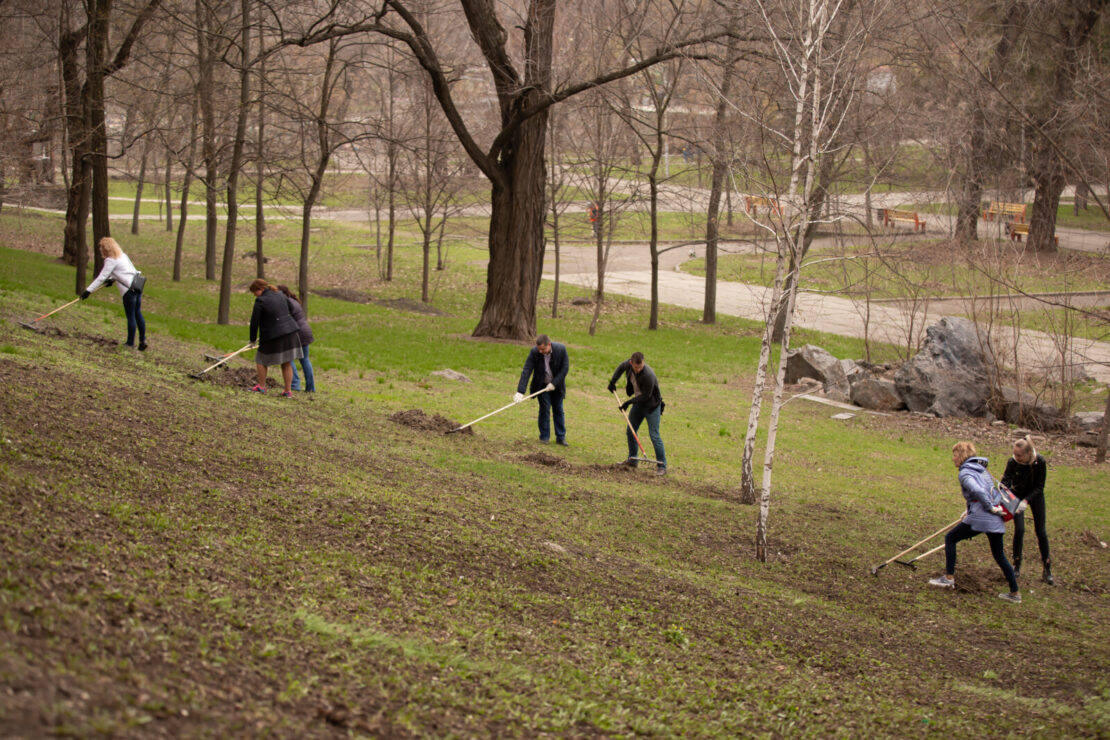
[184, 558]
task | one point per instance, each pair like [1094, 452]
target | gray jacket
[979, 491]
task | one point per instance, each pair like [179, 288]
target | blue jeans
[637, 415]
[133, 310]
[551, 403]
[309, 379]
[963, 531]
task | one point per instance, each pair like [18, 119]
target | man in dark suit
[547, 363]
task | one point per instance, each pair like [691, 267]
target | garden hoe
[911, 563]
[643, 453]
[222, 360]
[514, 403]
[875, 570]
[31, 324]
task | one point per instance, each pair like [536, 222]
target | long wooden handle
[227, 357]
[914, 546]
[498, 411]
[56, 310]
[629, 423]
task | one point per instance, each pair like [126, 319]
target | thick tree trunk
[1049, 182]
[516, 243]
[96, 54]
[205, 84]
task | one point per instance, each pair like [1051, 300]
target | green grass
[266, 565]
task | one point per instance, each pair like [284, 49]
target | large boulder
[809, 361]
[877, 395]
[949, 376]
[1018, 407]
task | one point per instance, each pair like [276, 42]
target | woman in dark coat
[1025, 476]
[305, 332]
[279, 342]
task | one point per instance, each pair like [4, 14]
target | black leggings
[963, 531]
[1036, 508]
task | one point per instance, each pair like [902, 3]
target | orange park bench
[1001, 211]
[893, 216]
[1018, 230]
[752, 204]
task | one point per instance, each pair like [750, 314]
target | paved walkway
[886, 322]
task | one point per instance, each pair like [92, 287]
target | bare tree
[513, 161]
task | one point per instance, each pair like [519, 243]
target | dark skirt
[280, 350]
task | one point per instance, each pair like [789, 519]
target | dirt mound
[407, 304]
[241, 377]
[549, 461]
[417, 419]
[52, 331]
[344, 294]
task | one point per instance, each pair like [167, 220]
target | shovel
[222, 360]
[31, 324]
[875, 570]
[514, 403]
[643, 453]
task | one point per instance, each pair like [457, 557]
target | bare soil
[417, 419]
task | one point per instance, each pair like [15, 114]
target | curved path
[882, 322]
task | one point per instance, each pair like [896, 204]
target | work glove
[612, 387]
[85, 294]
[550, 387]
[625, 405]
[110, 281]
[1021, 507]
[998, 510]
[518, 397]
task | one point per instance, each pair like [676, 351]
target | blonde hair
[1025, 445]
[962, 451]
[109, 248]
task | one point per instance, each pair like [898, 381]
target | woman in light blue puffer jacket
[984, 515]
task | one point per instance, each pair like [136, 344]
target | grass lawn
[185, 558]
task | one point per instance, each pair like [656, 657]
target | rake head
[29, 325]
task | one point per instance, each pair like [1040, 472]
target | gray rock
[1018, 407]
[450, 374]
[877, 395]
[949, 376]
[810, 361]
[1087, 421]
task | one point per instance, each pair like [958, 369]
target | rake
[498, 411]
[875, 569]
[31, 324]
[222, 360]
[643, 453]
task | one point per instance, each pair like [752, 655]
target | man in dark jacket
[646, 403]
[547, 363]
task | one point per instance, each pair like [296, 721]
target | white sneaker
[1013, 597]
[942, 582]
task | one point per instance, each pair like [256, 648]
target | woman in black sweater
[276, 329]
[1025, 475]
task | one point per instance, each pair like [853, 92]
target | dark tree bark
[190, 162]
[323, 143]
[720, 161]
[205, 84]
[1075, 23]
[139, 187]
[224, 309]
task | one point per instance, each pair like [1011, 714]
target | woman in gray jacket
[984, 515]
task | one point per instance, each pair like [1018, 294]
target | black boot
[1017, 567]
[1047, 575]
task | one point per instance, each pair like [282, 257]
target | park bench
[1022, 229]
[892, 215]
[752, 203]
[999, 210]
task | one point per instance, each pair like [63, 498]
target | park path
[887, 322]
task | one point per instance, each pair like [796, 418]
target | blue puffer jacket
[980, 493]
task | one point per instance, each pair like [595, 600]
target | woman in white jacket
[118, 269]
